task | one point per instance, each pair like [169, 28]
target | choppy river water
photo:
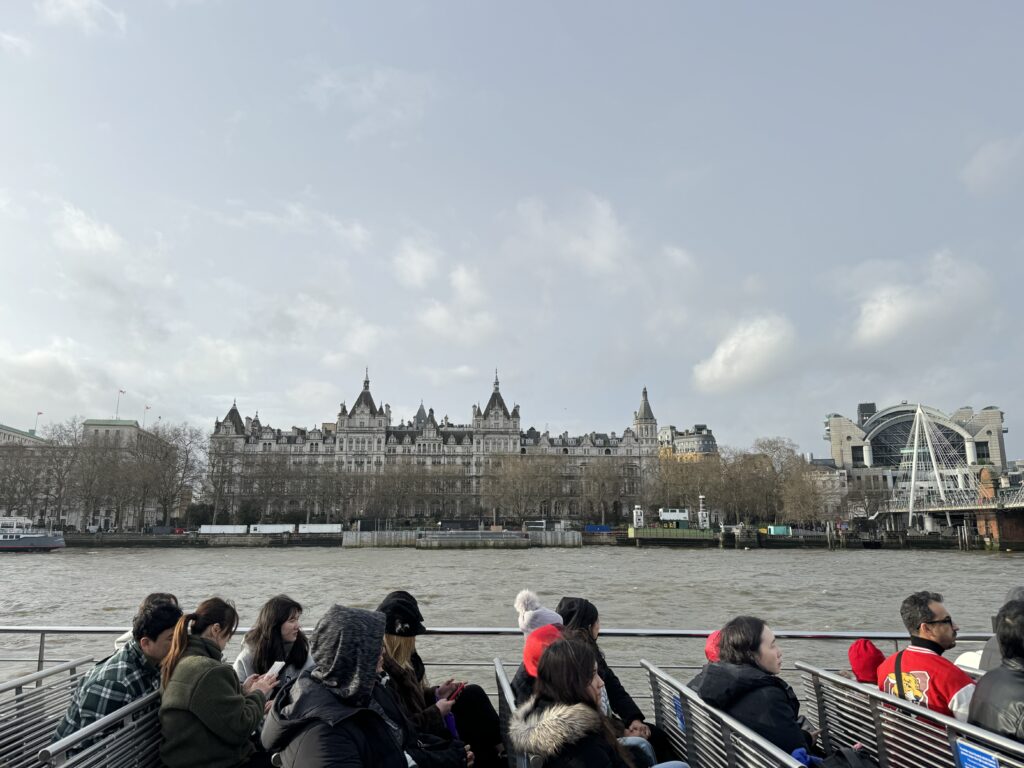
[671, 588]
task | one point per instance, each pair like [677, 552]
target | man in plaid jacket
[131, 673]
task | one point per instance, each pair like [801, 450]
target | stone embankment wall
[348, 539]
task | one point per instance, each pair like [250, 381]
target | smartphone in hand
[455, 694]
[275, 668]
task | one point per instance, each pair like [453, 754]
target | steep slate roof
[496, 401]
[365, 398]
[645, 411]
[235, 418]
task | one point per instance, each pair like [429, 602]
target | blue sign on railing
[972, 756]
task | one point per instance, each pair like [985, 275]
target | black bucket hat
[403, 615]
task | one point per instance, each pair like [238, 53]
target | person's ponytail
[179, 642]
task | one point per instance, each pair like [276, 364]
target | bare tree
[61, 455]
[179, 455]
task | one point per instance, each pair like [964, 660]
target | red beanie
[536, 642]
[711, 645]
[864, 660]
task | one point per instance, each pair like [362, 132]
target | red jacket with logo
[929, 680]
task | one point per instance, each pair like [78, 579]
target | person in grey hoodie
[338, 716]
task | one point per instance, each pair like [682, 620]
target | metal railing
[898, 639]
[127, 738]
[506, 706]
[31, 706]
[707, 737]
[898, 733]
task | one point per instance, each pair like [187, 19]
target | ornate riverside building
[362, 464]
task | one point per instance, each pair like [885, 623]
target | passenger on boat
[990, 654]
[535, 645]
[130, 673]
[711, 652]
[865, 658]
[532, 613]
[581, 615]
[998, 701]
[562, 722]
[339, 716]
[206, 716]
[153, 598]
[918, 673]
[745, 684]
[452, 709]
[276, 636]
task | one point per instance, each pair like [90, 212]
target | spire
[495, 379]
[366, 380]
[645, 411]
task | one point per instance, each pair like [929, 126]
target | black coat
[761, 701]
[998, 701]
[622, 703]
[565, 736]
[522, 685]
[313, 728]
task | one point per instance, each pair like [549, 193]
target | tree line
[184, 481]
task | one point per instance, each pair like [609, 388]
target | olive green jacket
[205, 718]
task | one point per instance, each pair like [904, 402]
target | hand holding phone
[276, 667]
[455, 694]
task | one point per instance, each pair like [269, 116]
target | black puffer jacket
[565, 736]
[998, 701]
[761, 701]
[522, 685]
[313, 728]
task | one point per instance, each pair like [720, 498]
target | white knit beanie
[532, 614]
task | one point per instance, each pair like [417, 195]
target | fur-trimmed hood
[546, 729]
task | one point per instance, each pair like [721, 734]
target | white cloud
[15, 45]
[440, 376]
[679, 257]
[75, 230]
[994, 165]
[415, 263]
[589, 234]
[933, 302]
[363, 339]
[49, 377]
[210, 359]
[379, 102]
[10, 208]
[299, 218]
[466, 285]
[460, 324]
[751, 352]
[89, 15]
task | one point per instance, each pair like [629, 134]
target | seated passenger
[562, 722]
[581, 616]
[535, 645]
[129, 674]
[745, 684]
[990, 655]
[865, 659]
[337, 715]
[532, 613]
[206, 717]
[918, 673]
[998, 701]
[469, 717]
[276, 636]
[153, 598]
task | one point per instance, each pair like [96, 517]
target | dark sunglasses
[947, 620]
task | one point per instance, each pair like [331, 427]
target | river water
[670, 588]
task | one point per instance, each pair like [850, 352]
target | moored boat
[18, 534]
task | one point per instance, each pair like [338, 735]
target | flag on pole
[121, 392]
[147, 407]
[39, 413]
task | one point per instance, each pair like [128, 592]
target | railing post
[42, 653]
[876, 717]
[819, 695]
[730, 748]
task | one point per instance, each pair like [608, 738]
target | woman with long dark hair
[562, 722]
[581, 616]
[745, 683]
[276, 636]
[206, 716]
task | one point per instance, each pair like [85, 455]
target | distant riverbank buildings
[364, 464]
[868, 450]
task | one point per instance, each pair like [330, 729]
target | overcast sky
[763, 212]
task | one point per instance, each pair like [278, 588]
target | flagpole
[36, 425]
[117, 407]
[144, 416]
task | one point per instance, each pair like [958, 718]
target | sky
[762, 212]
